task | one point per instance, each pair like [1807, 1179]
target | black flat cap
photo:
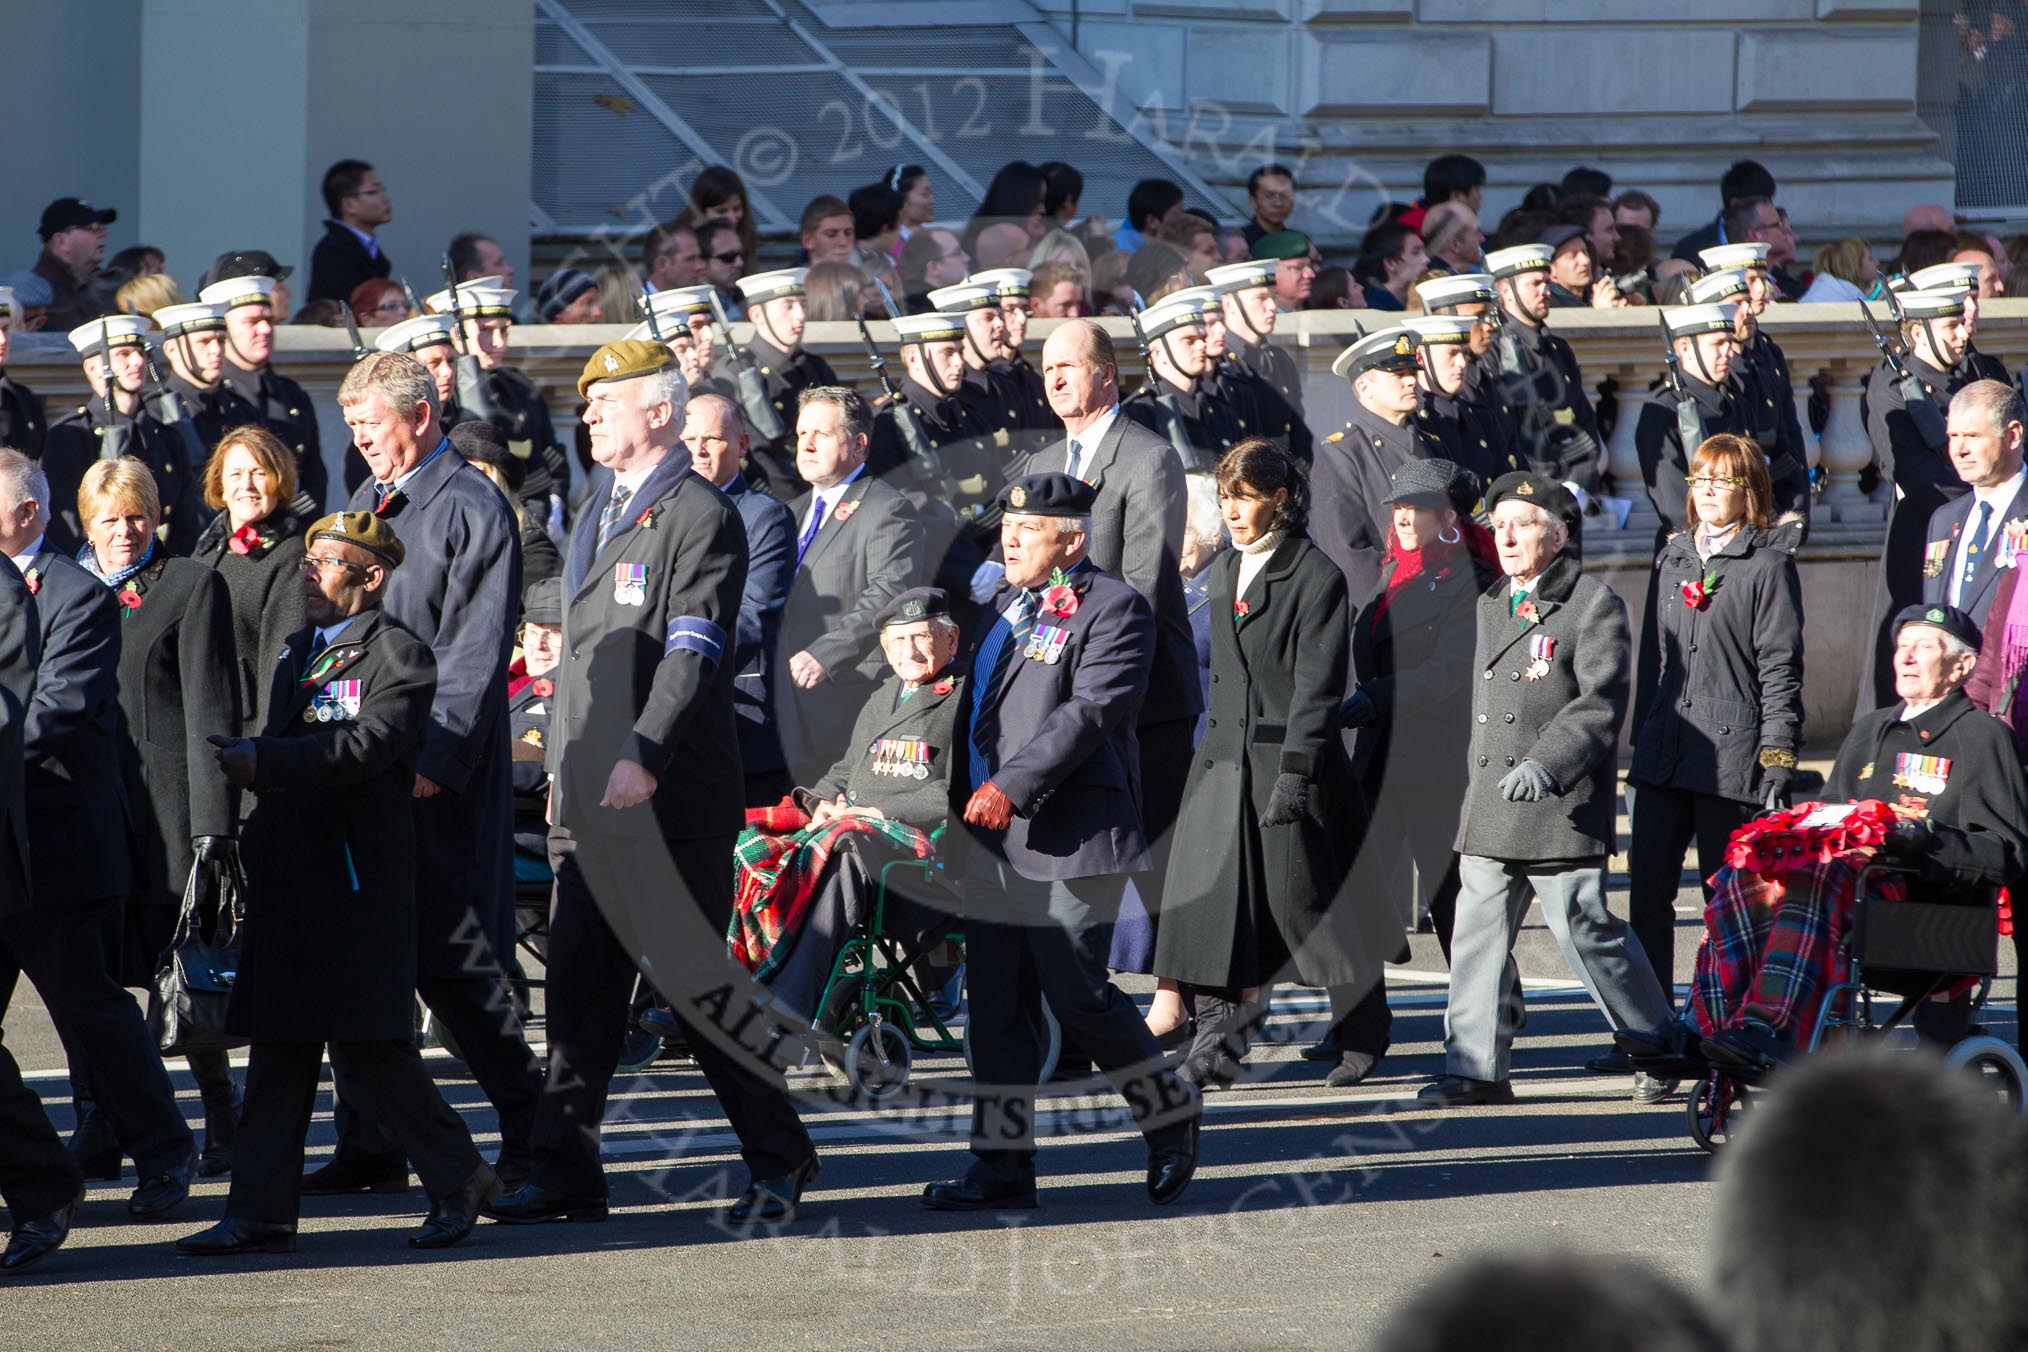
[243, 263]
[1540, 489]
[542, 603]
[917, 603]
[1950, 619]
[1422, 483]
[1048, 495]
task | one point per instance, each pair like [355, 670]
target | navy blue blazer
[20, 650]
[1946, 524]
[770, 568]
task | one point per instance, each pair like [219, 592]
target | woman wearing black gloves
[176, 688]
[1261, 838]
[1715, 735]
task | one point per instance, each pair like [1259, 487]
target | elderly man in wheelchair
[1927, 803]
[810, 876]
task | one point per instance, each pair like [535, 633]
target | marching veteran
[896, 768]
[329, 950]
[1553, 666]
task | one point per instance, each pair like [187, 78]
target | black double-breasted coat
[1277, 680]
[175, 652]
[265, 587]
[328, 948]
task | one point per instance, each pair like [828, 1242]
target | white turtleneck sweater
[1254, 557]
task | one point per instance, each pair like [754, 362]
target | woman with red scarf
[1715, 735]
[1270, 808]
[256, 544]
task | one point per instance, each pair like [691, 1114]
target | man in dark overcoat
[327, 955]
[645, 799]
[39, 1182]
[1553, 668]
[82, 864]
[1052, 830]
[458, 590]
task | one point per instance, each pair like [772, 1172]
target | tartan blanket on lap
[1780, 909]
[777, 865]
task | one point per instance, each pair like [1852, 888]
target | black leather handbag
[186, 1006]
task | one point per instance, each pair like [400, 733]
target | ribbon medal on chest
[630, 584]
[337, 702]
[1046, 644]
[1541, 648]
[1926, 775]
[1935, 555]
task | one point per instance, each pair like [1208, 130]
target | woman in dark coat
[1715, 738]
[1258, 855]
[175, 652]
[256, 544]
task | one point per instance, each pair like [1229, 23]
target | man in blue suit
[1972, 538]
[1054, 827]
[716, 436]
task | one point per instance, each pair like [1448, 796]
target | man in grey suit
[858, 546]
[1052, 827]
[1972, 538]
[1554, 666]
[716, 435]
[1137, 536]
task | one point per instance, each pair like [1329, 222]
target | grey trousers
[1601, 948]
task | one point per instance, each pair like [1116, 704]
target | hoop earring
[1451, 539]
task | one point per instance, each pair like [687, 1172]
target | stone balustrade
[1618, 350]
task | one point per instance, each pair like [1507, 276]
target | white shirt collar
[1089, 439]
[28, 555]
[829, 496]
[2002, 494]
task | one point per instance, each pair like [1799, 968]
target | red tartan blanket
[778, 863]
[1779, 912]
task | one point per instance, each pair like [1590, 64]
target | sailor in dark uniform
[1246, 293]
[774, 303]
[1350, 518]
[1474, 294]
[1906, 421]
[517, 406]
[682, 319]
[1179, 386]
[1452, 422]
[284, 408]
[1737, 274]
[115, 352]
[1022, 380]
[193, 339]
[22, 422]
[1536, 372]
[1964, 277]
[993, 401]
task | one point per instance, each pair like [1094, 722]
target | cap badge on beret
[1934, 615]
[1018, 496]
[612, 362]
[1525, 489]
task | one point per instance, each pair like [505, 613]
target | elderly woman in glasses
[176, 650]
[1715, 736]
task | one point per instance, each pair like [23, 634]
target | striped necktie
[986, 726]
[609, 515]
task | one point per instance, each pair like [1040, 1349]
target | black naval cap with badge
[1949, 619]
[624, 360]
[913, 606]
[363, 530]
[1047, 495]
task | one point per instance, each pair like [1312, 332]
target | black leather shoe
[1325, 1048]
[341, 1177]
[238, 1236]
[535, 1204]
[1352, 1068]
[511, 1168]
[1172, 1166]
[221, 1133]
[94, 1146]
[1456, 1091]
[1751, 1046]
[1614, 1062]
[972, 1193]
[770, 1201]
[35, 1240]
[452, 1218]
[160, 1194]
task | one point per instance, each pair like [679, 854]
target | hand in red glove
[989, 808]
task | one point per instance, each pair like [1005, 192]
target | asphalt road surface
[1313, 1215]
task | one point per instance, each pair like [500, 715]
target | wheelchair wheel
[1052, 1045]
[1997, 1065]
[1717, 1102]
[877, 1061]
[639, 1050]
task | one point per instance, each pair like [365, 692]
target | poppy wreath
[1777, 843]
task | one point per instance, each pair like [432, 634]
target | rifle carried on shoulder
[475, 397]
[1166, 413]
[1922, 410]
[1689, 418]
[760, 411]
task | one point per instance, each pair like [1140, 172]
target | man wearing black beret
[1551, 671]
[1053, 826]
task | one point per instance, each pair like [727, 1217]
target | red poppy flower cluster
[1773, 845]
[1697, 591]
[1239, 610]
[247, 540]
[130, 599]
[1060, 600]
[1527, 613]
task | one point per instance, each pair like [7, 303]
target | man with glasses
[932, 259]
[1295, 266]
[350, 252]
[73, 244]
[725, 262]
[1271, 193]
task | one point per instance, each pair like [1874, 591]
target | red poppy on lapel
[246, 540]
[844, 510]
[130, 601]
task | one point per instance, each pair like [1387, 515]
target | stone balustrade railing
[1619, 350]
